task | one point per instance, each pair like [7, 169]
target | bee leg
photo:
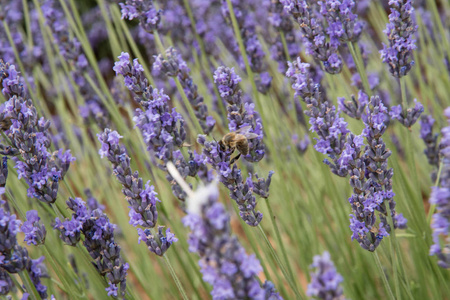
[235, 158]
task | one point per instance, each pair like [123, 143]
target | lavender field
[224, 149]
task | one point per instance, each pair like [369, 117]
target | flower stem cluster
[370, 177]
[400, 32]
[173, 65]
[162, 127]
[30, 138]
[225, 265]
[440, 197]
[99, 241]
[314, 36]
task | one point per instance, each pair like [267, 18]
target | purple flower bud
[34, 231]
[409, 117]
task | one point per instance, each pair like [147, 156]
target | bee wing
[244, 129]
[250, 135]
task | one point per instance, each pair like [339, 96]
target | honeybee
[237, 140]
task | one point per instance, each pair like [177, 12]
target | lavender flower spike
[34, 231]
[173, 65]
[343, 23]
[14, 258]
[409, 116]
[30, 137]
[440, 197]
[325, 281]
[99, 242]
[162, 127]
[144, 11]
[142, 199]
[223, 261]
[430, 140]
[314, 37]
[324, 119]
[400, 32]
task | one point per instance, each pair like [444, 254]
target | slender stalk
[175, 278]
[31, 289]
[394, 251]
[280, 241]
[436, 183]
[360, 67]
[280, 264]
[57, 270]
[383, 276]
[409, 143]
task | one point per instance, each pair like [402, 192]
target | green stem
[280, 241]
[383, 276]
[394, 251]
[29, 286]
[285, 47]
[58, 270]
[436, 183]
[280, 264]
[175, 278]
[360, 67]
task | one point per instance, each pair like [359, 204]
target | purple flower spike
[34, 231]
[400, 32]
[325, 281]
[14, 258]
[409, 117]
[144, 11]
[343, 22]
[223, 261]
[30, 138]
[142, 200]
[173, 65]
[314, 36]
[430, 140]
[440, 197]
[354, 108]
[324, 119]
[99, 241]
[162, 127]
